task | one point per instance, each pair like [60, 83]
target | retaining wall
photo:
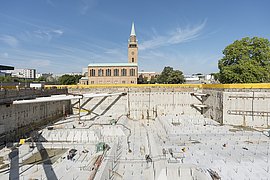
[140, 103]
[247, 108]
[9, 95]
[215, 104]
[18, 119]
[240, 107]
[243, 107]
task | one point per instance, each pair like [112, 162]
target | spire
[132, 33]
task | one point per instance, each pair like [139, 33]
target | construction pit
[167, 147]
[152, 134]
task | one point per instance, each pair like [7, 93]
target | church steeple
[132, 33]
[132, 46]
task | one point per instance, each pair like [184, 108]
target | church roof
[112, 64]
[132, 33]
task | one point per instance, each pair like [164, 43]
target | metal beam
[66, 97]
[47, 99]
[92, 95]
[199, 94]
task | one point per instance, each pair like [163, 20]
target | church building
[116, 73]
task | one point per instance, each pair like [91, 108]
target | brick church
[116, 73]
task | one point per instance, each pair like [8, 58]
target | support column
[79, 109]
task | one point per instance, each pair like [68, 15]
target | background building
[148, 75]
[116, 73]
[200, 78]
[111, 73]
[23, 73]
[3, 69]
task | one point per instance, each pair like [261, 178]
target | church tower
[132, 46]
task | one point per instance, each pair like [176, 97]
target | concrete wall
[108, 106]
[152, 104]
[226, 106]
[16, 120]
[140, 103]
[246, 108]
[9, 95]
[215, 104]
[241, 107]
[19, 119]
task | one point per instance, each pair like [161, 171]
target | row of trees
[9, 79]
[64, 80]
[167, 76]
[69, 79]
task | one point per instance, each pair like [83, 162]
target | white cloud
[48, 34]
[86, 5]
[180, 35]
[10, 40]
[58, 31]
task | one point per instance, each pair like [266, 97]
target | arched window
[123, 72]
[116, 72]
[108, 72]
[100, 72]
[132, 72]
[92, 72]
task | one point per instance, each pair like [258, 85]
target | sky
[63, 36]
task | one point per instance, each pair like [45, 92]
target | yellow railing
[237, 86]
[123, 86]
[9, 87]
[206, 86]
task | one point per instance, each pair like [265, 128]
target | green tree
[142, 80]
[67, 80]
[6, 79]
[170, 76]
[41, 78]
[153, 80]
[77, 78]
[245, 61]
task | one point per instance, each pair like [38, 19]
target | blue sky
[66, 35]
